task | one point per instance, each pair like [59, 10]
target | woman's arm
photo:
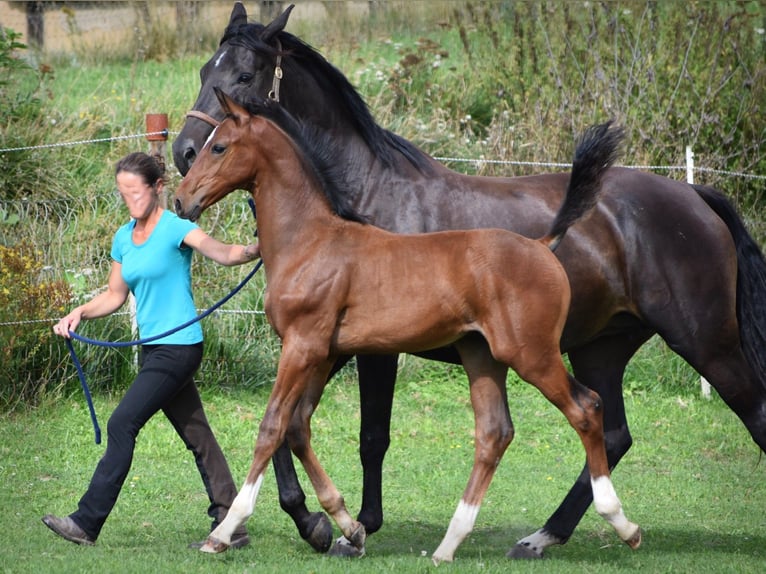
[219, 252]
[105, 303]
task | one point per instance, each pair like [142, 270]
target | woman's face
[140, 198]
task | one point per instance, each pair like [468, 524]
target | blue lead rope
[78, 366]
[85, 389]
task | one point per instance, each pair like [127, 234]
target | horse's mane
[382, 142]
[318, 150]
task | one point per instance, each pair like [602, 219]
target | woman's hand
[68, 323]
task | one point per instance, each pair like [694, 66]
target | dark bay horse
[337, 286]
[657, 256]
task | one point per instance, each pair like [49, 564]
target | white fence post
[133, 326]
[704, 385]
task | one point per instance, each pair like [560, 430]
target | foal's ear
[229, 106]
[277, 25]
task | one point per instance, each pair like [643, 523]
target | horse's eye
[244, 78]
[218, 148]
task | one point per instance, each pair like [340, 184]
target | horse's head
[219, 168]
[240, 70]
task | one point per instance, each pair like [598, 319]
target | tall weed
[520, 80]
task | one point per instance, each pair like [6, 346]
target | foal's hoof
[214, 546]
[635, 540]
[344, 549]
[524, 552]
[319, 532]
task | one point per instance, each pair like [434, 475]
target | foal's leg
[583, 409]
[299, 369]
[494, 432]
[600, 366]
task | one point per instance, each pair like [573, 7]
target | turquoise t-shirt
[158, 273]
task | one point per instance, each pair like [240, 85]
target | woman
[151, 257]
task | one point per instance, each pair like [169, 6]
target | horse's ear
[238, 15]
[277, 25]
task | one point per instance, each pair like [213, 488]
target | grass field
[693, 481]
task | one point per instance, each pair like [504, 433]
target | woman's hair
[143, 165]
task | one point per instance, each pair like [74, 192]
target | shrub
[27, 356]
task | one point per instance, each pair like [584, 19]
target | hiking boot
[68, 529]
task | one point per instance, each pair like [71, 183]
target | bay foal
[338, 286]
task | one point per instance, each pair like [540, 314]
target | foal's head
[233, 155]
[228, 161]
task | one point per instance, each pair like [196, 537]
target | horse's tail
[751, 281]
[597, 149]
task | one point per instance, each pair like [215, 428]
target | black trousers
[164, 382]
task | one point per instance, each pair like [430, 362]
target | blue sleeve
[181, 228]
[118, 242]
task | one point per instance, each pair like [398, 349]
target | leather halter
[273, 93]
[203, 116]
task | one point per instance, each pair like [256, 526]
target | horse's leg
[494, 432]
[299, 369]
[583, 409]
[377, 378]
[718, 356]
[599, 365]
[314, 527]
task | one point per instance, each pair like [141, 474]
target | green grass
[692, 481]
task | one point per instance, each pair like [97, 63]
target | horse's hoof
[524, 552]
[319, 534]
[214, 546]
[635, 540]
[344, 549]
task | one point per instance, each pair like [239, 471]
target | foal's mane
[382, 142]
[318, 152]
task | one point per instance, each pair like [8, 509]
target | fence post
[157, 134]
[133, 326]
[704, 385]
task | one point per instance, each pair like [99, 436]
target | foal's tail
[597, 149]
[751, 281]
